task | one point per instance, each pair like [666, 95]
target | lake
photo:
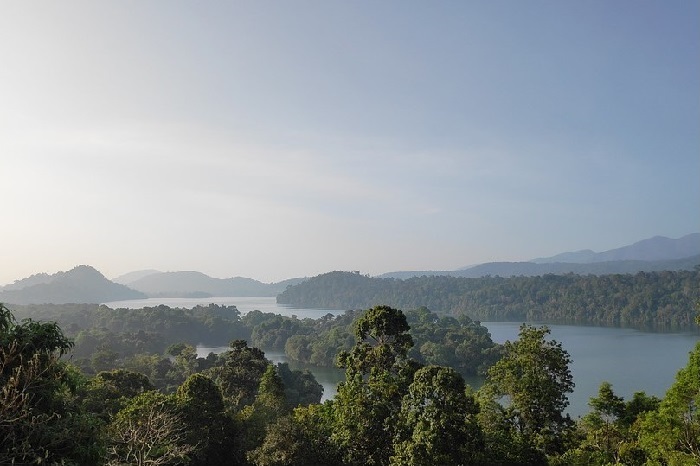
[244, 304]
[631, 360]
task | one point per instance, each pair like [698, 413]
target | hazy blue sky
[279, 139]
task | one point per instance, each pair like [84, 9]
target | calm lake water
[244, 304]
[630, 360]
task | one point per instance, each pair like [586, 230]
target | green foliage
[149, 430]
[269, 405]
[202, 408]
[606, 432]
[41, 419]
[274, 332]
[383, 342]
[237, 408]
[671, 434]
[437, 421]
[320, 343]
[378, 373]
[657, 299]
[460, 343]
[300, 387]
[505, 444]
[534, 379]
[300, 439]
[238, 372]
[108, 391]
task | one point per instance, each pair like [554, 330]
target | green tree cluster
[392, 409]
[646, 299]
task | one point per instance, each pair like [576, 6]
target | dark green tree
[437, 422]
[238, 372]
[382, 344]
[671, 434]
[607, 438]
[108, 391]
[533, 379]
[300, 387]
[377, 376]
[41, 419]
[299, 439]
[270, 404]
[201, 406]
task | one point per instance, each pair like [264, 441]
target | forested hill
[82, 284]
[665, 299]
[197, 284]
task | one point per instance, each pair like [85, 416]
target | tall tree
[41, 419]
[671, 435]
[300, 439]
[377, 375]
[270, 404]
[201, 405]
[238, 372]
[149, 430]
[108, 391]
[534, 379]
[437, 422]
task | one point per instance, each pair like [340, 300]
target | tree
[238, 372]
[533, 378]
[148, 431]
[299, 439]
[201, 405]
[269, 405]
[300, 387]
[382, 342]
[40, 418]
[437, 422]
[671, 434]
[377, 375]
[608, 434]
[108, 391]
[606, 437]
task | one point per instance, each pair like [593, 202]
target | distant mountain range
[197, 284]
[84, 284]
[658, 248]
[649, 255]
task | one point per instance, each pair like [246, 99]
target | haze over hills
[82, 284]
[197, 284]
[650, 255]
[658, 248]
[133, 276]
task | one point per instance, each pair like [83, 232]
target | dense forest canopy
[237, 408]
[106, 337]
[654, 299]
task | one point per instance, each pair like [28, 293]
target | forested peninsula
[644, 300]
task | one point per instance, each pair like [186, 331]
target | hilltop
[197, 284]
[82, 284]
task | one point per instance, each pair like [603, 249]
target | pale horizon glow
[280, 140]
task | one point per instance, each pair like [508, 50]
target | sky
[286, 139]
